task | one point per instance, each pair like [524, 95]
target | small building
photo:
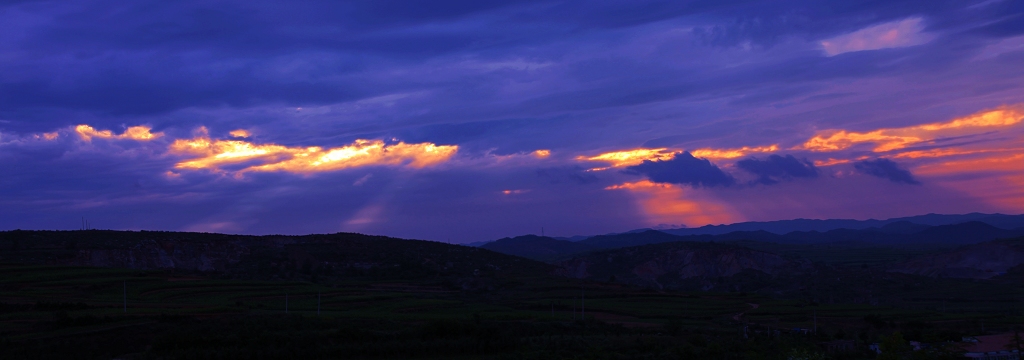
[991, 347]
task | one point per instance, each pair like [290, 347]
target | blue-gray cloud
[683, 169]
[886, 169]
[776, 168]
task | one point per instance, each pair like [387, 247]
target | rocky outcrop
[672, 264]
[981, 261]
[166, 254]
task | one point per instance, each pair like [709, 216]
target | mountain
[902, 227]
[787, 226]
[630, 239]
[900, 234]
[677, 265]
[979, 261]
[536, 247]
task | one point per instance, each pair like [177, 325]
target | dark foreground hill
[979, 261]
[678, 265]
[314, 258]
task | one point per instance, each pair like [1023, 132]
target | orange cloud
[540, 154]
[240, 133]
[631, 157]
[140, 133]
[708, 153]
[899, 138]
[667, 203]
[831, 162]
[214, 154]
[1007, 163]
[50, 136]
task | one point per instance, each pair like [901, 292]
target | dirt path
[752, 307]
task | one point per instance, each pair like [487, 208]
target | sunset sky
[473, 120]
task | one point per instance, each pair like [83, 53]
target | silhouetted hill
[316, 258]
[536, 247]
[901, 234]
[629, 239]
[972, 232]
[903, 227]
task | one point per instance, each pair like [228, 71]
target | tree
[894, 347]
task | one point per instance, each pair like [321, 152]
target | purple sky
[474, 120]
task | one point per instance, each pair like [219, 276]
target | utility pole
[815, 322]
[285, 303]
[125, 284]
[583, 304]
[317, 303]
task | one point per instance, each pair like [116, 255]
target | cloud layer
[478, 120]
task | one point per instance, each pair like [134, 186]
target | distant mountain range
[781, 227]
[889, 233]
[787, 226]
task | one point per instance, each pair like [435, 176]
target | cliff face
[324, 258]
[981, 261]
[673, 265]
[166, 254]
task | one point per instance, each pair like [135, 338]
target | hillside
[677, 265]
[979, 261]
[315, 258]
[536, 247]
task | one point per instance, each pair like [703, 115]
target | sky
[468, 121]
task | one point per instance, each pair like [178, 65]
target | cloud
[903, 33]
[683, 168]
[708, 153]
[899, 138]
[669, 203]
[886, 169]
[776, 168]
[217, 154]
[631, 157]
[139, 133]
[623, 158]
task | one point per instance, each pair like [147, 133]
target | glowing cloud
[139, 133]
[708, 153]
[898, 138]
[907, 32]
[50, 136]
[540, 154]
[667, 203]
[632, 157]
[240, 133]
[215, 154]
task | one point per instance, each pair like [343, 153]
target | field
[82, 306]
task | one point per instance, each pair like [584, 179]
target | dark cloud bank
[886, 169]
[776, 168]
[683, 169]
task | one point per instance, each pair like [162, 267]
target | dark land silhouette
[645, 294]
